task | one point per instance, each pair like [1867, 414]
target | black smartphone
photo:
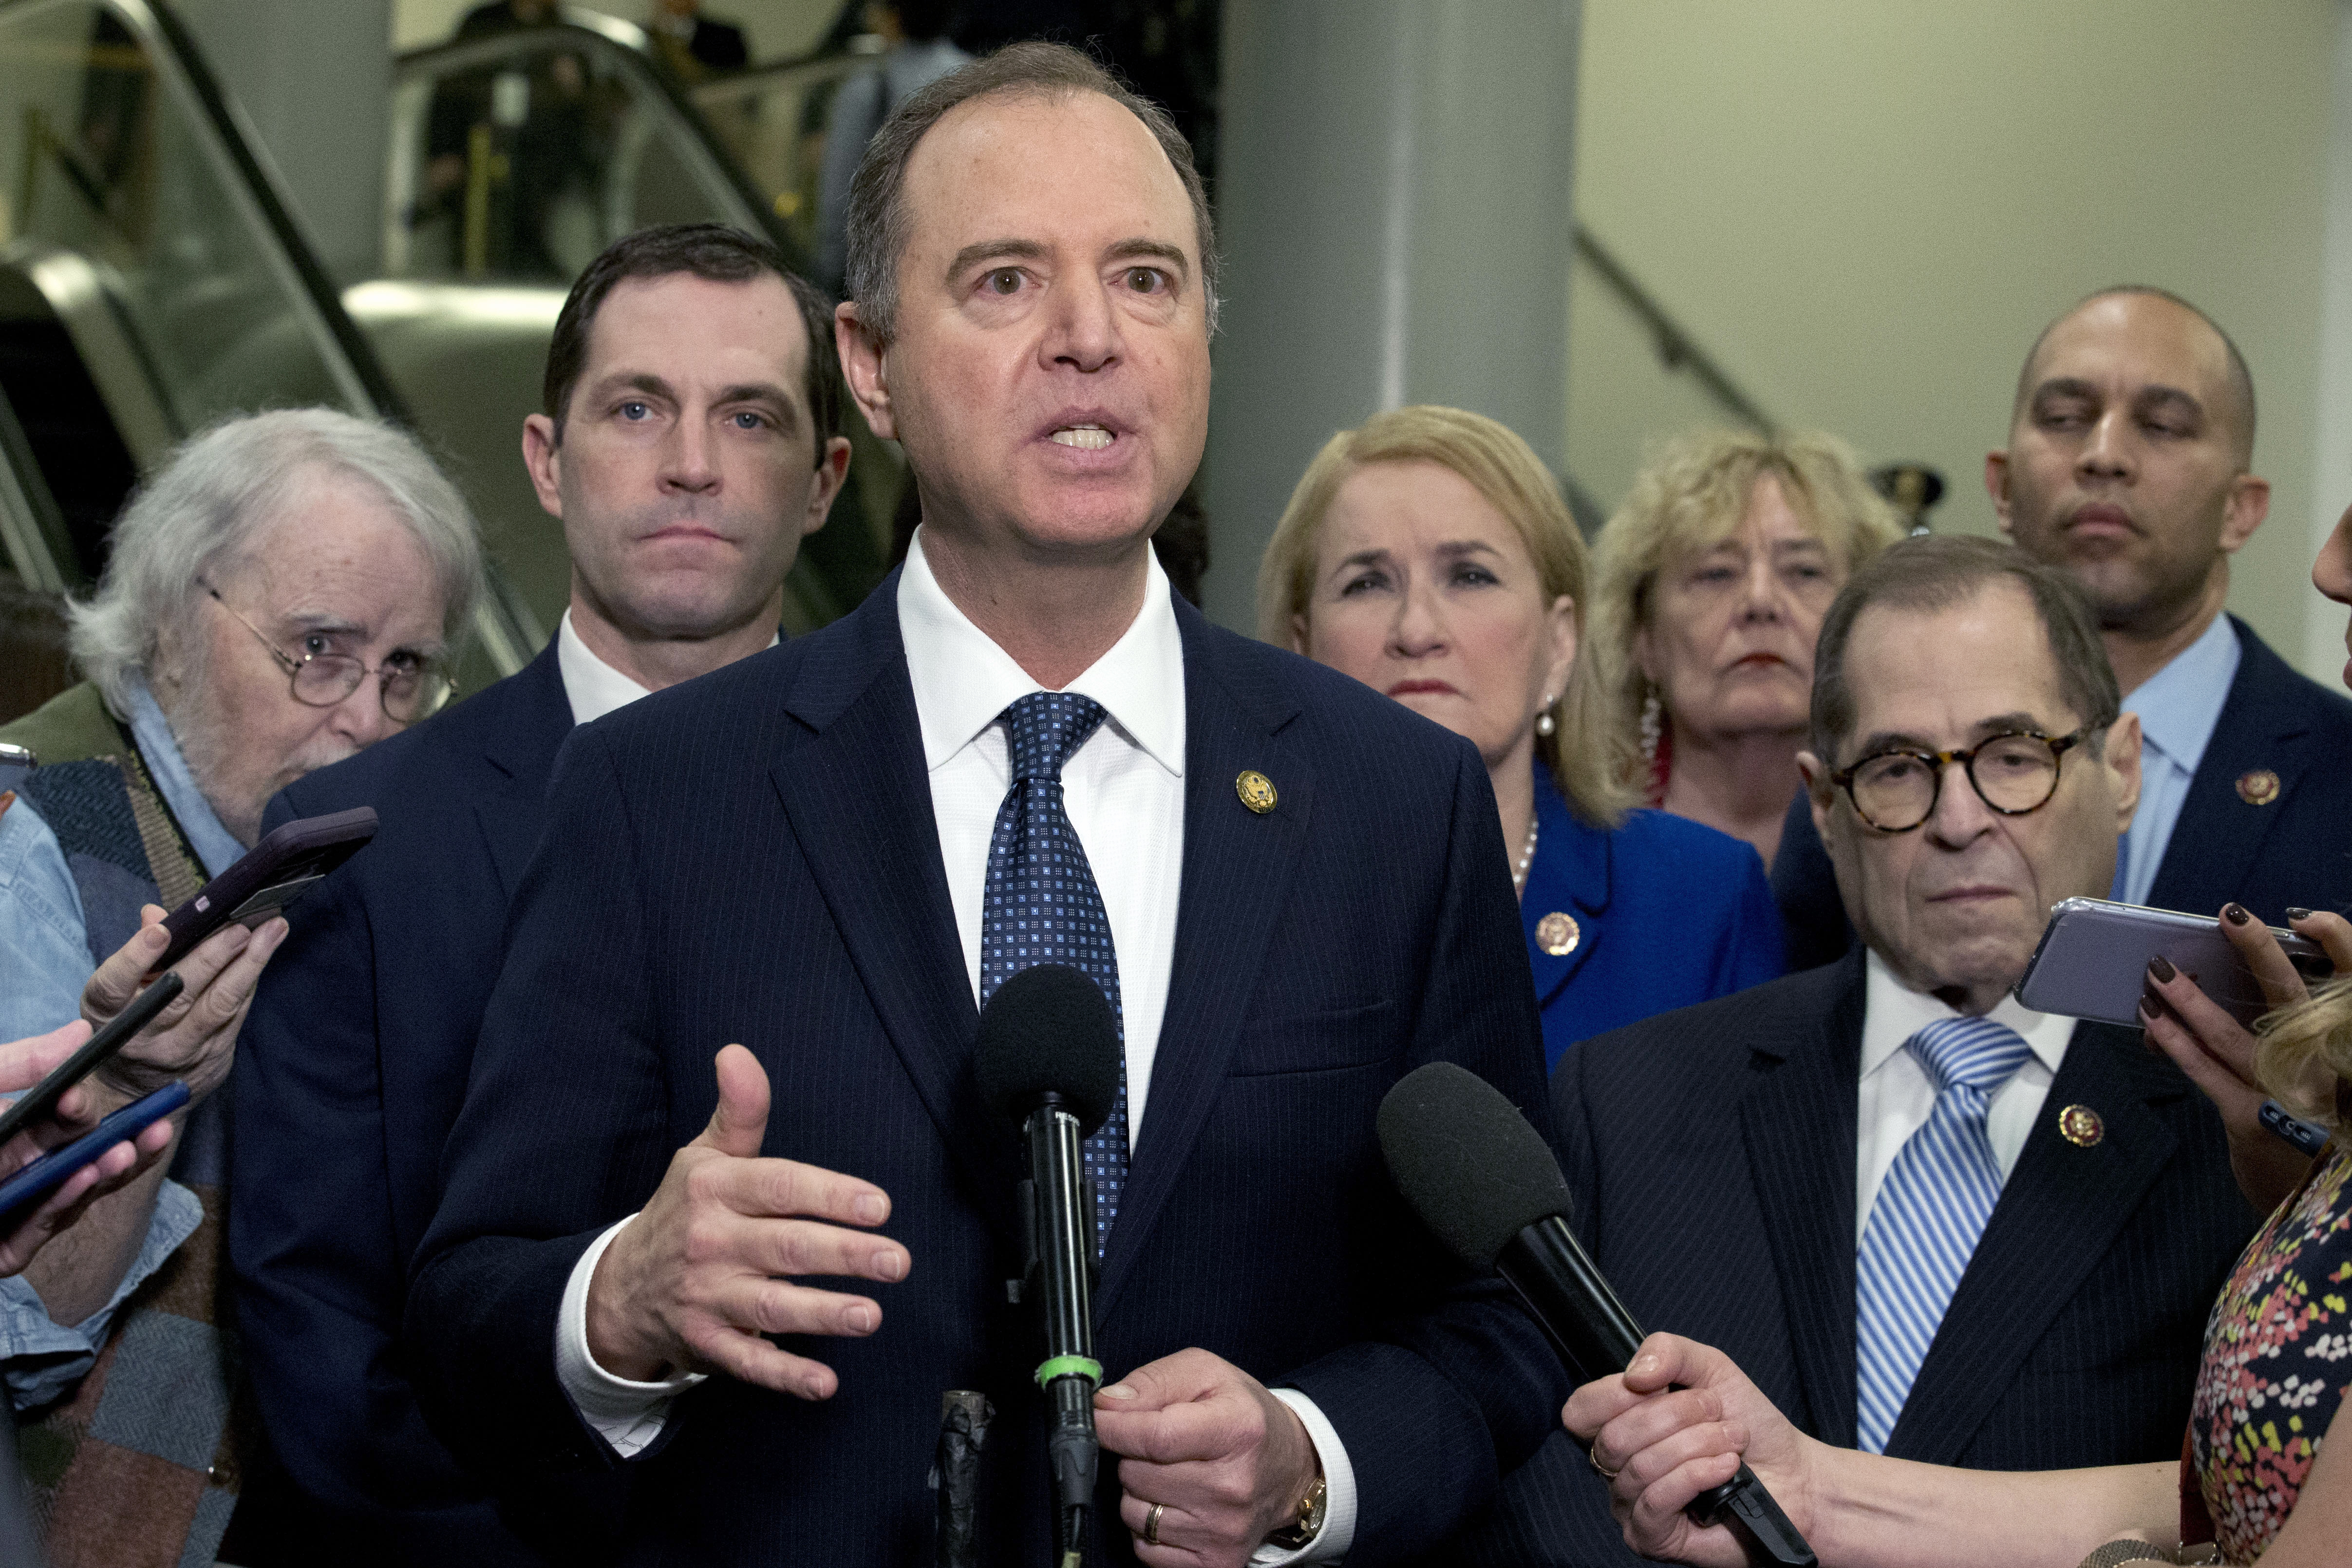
[41, 1177]
[40, 1102]
[272, 875]
[2094, 957]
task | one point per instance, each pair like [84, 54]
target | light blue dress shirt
[2177, 707]
[44, 963]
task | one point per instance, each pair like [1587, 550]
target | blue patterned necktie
[1040, 905]
[1929, 1214]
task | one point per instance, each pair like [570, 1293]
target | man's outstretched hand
[1227, 1461]
[697, 1279]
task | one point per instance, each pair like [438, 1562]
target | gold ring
[1151, 1524]
[1593, 1457]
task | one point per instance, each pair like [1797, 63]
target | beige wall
[1866, 209]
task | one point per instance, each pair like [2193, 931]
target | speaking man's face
[1049, 377]
[1956, 905]
[2126, 459]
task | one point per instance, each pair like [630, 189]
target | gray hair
[217, 493]
[877, 208]
[1932, 573]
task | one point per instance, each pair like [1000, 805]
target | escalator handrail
[624, 40]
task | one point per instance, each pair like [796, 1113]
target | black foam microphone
[1488, 1187]
[1048, 1061]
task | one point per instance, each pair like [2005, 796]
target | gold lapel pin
[1256, 791]
[1557, 933]
[2080, 1125]
[2258, 786]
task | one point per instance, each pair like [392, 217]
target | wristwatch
[1302, 1531]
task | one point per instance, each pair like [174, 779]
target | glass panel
[773, 124]
[184, 305]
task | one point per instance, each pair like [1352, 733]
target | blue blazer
[753, 857]
[349, 1074]
[2291, 850]
[1668, 911]
[1711, 1153]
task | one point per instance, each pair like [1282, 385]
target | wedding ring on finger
[1151, 1524]
[1593, 1457]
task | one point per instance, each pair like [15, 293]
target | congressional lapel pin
[2258, 786]
[1557, 933]
[2080, 1125]
[1256, 791]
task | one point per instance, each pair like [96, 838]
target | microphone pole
[1060, 1204]
[1048, 1062]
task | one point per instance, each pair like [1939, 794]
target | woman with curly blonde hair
[1710, 587]
[1428, 553]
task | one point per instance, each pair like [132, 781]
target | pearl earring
[1544, 722]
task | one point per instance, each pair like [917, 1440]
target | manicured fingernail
[859, 1320]
[2236, 914]
[888, 1265]
[1119, 1391]
[2149, 1009]
[2161, 967]
[870, 1209]
[2298, 914]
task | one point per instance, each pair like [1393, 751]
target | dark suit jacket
[754, 857]
[349, 1074]
[2291, 850]
[1712, 1155]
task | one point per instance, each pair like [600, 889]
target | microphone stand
[1060, 1206]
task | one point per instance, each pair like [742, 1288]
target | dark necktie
[1040, 905]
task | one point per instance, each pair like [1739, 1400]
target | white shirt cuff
[1338, 1532]
[628, 1416]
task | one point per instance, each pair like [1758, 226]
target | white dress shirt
[1897, 1094]
[2178, 707]
[1124, 792]
[592, 686]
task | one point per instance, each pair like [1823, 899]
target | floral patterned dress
[2278, 1362]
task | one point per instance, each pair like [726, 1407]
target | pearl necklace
[1527, 858]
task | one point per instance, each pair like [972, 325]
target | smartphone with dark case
[2093, 956]
[40, 1102]
[42, 1176]
[272, 875]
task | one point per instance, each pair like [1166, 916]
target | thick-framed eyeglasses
[1895, 790]
[409, 687]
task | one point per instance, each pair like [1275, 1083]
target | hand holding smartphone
[2094, 957]
[40, 1102]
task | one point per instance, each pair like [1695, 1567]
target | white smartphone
[2093, 956]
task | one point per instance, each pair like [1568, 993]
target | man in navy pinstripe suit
[638, 1262]
[2007, 1268]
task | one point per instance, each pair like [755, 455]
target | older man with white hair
[281, 594]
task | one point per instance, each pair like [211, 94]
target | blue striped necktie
[1927, 1217]
[1041, 904]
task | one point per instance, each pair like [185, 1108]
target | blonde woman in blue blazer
[1428, 553]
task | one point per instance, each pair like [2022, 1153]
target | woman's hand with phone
[24, 1063]
[2217, 1052]
[195, 1038]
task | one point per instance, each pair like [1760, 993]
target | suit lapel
[859, 798]
[1570, 876]
[1236, 877]
[534, 716]
[1798, 1123]
[2059, 1212]
[2218, 833]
